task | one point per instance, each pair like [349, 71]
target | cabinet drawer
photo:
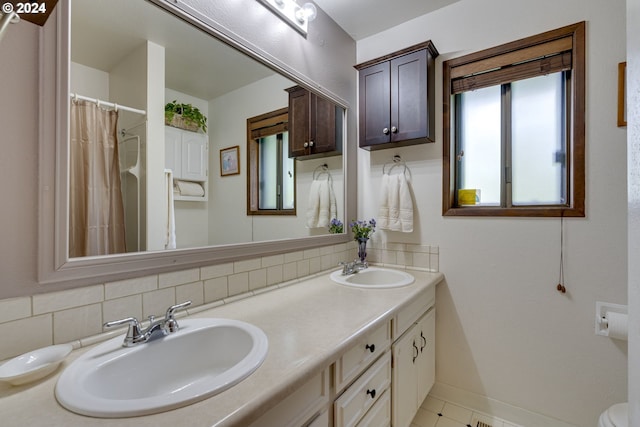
[412, 312]
[380, 414]
[297, 408]
[363, 394]
[358, 357]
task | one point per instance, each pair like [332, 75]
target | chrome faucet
[352, 267]
[157, 328]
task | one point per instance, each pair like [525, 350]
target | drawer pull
[371, 347]
[417, 352]
[424, 343]
[372, 393]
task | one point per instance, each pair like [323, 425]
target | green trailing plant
[187, 111]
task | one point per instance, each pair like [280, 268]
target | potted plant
[184, 116]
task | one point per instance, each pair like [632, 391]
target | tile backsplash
[77, 315]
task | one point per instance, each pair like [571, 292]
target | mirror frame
[54, 264]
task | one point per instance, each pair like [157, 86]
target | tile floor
[437, 413]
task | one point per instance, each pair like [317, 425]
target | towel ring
[322, 169]
[397, 161]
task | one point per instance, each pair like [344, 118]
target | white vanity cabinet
[186, 154]
[307, 406]
[413, 359]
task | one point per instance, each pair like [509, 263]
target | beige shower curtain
[96, 214]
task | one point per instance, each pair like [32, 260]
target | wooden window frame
[266, 124]
[556, 50]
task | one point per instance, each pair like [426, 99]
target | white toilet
[616, 416]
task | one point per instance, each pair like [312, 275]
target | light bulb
[308, 12]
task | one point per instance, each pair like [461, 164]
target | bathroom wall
[504, 334]
[633, 149]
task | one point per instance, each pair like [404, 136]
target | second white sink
[203, 358]
[374, 277]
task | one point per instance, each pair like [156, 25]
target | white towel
[188, 188]
[322, 207]
[396, 205]
[170, 242]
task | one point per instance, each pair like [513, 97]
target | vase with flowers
[362, 231]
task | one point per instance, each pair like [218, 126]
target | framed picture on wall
[229, 164]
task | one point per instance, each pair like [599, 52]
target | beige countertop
[309, 324]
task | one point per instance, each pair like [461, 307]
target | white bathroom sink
[374, 277]
[203, 358]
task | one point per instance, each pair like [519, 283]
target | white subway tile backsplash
[290, 271]
[20, 336]
[303, 268]
[14, 309]
[271, 261]
[120, 308]
[155, 303]
[311, 253]
[215, 289]
[238, 283]
[76, 323]
[178, 277]
[293, 256]
[193, 292]
[257, 279]
[54, 301]
[77, 315]
[275, 274]
[213, 271]
[123, 288]
[246, 265]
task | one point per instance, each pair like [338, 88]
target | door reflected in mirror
[156, 183]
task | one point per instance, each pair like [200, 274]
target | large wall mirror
[135, 192]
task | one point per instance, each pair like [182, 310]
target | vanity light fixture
[8, 16]
[293, 14]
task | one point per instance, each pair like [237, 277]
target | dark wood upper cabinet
[397, 98]
[314, 125]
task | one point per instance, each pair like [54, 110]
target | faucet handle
[134, 330]
[169, 314]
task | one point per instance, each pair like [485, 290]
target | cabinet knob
[310, 143]
[370, 347]
[394, 129]
[306, 145]
[372, 393]
[385, 131]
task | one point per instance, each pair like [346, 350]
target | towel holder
[396, 161]
[322, 169]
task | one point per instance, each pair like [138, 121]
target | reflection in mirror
[167, 186]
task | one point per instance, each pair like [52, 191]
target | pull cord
[561, 288]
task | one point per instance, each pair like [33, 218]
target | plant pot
[180, 122]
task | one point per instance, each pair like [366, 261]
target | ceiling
[363, 18]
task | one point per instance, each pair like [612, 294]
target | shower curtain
[96, 213]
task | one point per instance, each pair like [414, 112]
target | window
[513, 128]
[271, 178]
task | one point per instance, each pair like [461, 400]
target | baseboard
[494, 407]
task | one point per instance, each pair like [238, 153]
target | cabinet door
[299, 123]
[404, 400]
[374, 103]
[409, 96]
[173, 150]
[323, 125]
[194, 156]
[425, 364]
